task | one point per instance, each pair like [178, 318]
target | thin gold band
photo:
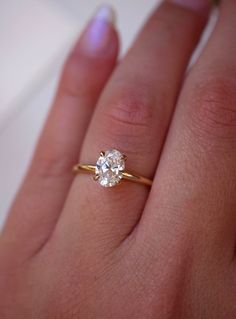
[126, 175]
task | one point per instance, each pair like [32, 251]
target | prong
[96, 177]
[124, 157]
[102, 153]
[75, 169]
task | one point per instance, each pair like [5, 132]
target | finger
[195, 186]
[132, 116]
[45, 188]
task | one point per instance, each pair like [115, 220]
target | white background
[35, 36]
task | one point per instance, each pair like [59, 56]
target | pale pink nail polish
[196, 5]
[96, 37]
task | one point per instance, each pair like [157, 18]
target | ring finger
[133, 116]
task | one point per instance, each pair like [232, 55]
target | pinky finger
[42, 195]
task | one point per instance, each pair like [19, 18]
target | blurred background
[35, 36]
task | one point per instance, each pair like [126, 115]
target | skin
[72, 249]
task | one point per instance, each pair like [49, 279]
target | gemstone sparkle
[109, 168]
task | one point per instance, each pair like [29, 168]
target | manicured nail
[97, 35]
[196, 5]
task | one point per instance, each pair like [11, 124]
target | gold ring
[110, 169]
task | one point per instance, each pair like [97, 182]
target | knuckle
[130, 117]
[214, 108]
[52, 165]
[131, 111]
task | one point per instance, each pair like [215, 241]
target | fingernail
[98, 34]
[196, 5]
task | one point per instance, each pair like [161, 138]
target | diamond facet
[109, 168]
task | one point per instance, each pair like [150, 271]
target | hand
[73, 249]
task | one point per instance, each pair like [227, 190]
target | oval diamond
[109, 168]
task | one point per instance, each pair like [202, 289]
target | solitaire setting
[110, 169]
